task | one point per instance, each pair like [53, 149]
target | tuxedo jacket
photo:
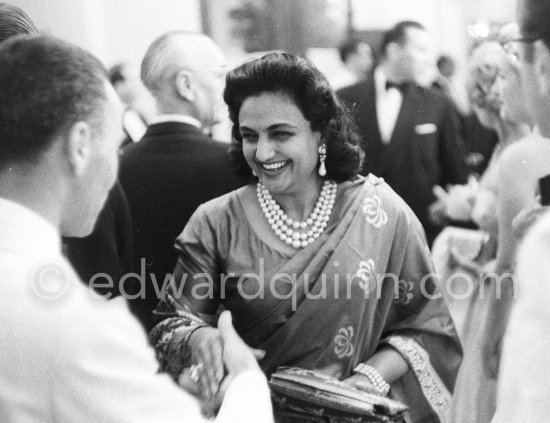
[425, 148]
[166, 176]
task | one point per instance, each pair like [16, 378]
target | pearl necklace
[286, 228]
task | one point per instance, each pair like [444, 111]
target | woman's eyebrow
[271, 127]
[281, 125]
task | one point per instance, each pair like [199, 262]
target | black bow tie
[399, 85]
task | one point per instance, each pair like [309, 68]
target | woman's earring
[322, 158]
[254, 173]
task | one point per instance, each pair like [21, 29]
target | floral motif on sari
[405, 292]
[432, 386]
[344, 347]
[375, 214]
[183, 322]
[365, 273]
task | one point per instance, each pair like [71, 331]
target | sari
[368, 280]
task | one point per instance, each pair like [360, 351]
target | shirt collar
[173, 117]
[22, 229]
[380, 79]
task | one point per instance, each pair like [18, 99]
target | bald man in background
[175, 167]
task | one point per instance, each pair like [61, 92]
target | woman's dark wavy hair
[308, 88]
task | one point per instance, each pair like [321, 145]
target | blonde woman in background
[461, 255]
[467, 257]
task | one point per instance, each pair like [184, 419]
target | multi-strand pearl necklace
[286, 228]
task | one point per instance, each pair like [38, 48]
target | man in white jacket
[66, 355]
[524, 378]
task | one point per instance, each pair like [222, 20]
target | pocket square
[425, 128]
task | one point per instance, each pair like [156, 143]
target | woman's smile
[272, 168]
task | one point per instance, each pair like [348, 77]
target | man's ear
[79, 147]
[184, 82]
[542, 67]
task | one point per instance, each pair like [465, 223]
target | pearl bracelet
[374, 377]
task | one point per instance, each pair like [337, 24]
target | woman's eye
[249, 137]
[281, 135]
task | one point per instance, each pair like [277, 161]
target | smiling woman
[322, 269]
[279, 144]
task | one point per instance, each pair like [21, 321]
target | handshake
[219, 355]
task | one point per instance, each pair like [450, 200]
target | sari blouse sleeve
[197, 271]
[419, 325]
[192, 295]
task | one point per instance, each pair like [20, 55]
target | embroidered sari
[367, 280]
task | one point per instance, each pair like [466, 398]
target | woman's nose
[264, 149]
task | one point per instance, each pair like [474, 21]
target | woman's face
[512, 94]
[279, 144]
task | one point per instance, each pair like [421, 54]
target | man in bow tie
[411, 133]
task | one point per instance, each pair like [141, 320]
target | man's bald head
[175, 51]
[185, 73]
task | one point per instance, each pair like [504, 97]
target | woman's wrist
[191, 330]
[389, 362]
[374, 377]
[179, 352]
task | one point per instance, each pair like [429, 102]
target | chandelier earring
[322, 158]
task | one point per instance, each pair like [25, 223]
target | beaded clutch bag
[301, 395]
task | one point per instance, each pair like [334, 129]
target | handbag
[301, 395]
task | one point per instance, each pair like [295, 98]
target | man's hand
[237, 358]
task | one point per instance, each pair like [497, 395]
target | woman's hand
[207, 355]
[362, 383]
[485, 213]
[472, 266]
[455, 203]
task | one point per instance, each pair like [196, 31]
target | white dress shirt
[388, 104]
[67, 356]
[133, 124]
[173, 117]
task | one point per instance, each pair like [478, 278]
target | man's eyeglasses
[520, 50]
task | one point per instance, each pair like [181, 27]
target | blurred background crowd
[120, 32]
